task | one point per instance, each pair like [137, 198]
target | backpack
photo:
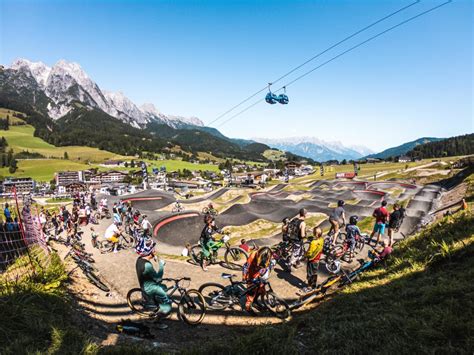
[294, 229]
[134, 329]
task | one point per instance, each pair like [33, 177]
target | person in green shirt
[149, 279]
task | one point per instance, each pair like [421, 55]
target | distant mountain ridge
[402, 149]
[316, 149]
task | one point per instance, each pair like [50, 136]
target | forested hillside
[460, 145]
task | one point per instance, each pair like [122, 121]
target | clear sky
[199, 58]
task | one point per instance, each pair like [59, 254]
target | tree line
[460, 145]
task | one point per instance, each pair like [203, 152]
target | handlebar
[177, 280]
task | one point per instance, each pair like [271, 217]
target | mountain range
[316, 149]
[68, 108]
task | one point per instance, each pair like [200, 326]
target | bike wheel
[360, 243]
[214, 296]
[136, 303]
[192, 307]
[235, 257]
[97, 217]
[95, 280]
[128, 242]
[108, 215]
[104, 247]
[196, 254]
[276, 305]
[333, 266]
[205, 210]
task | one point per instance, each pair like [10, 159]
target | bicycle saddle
[227, 276]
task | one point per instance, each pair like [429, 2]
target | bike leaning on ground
[219, 297]
[191, 303]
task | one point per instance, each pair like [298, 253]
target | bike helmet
[286, 220]
[264, 257]
[353, 220]
[340, 203]
[145, 247]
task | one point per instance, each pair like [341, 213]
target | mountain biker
[207, 240]
[352, 231]
[313, 255]
[381, 217]
[297, 231]
[395, 221]
[151, 281]
[255, 270]
[146, 226]
[112, 234]
[335, 218]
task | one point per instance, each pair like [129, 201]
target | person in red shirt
[381, 218]
[243, 245]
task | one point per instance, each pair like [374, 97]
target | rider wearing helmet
[112, 234]
[352, 231]
[149, 279]
[207, 238]
[335, 218]
[255, 270]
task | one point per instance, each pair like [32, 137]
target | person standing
[297, 231]
[7, 213]
[395, 221]
[313, 255]
[335, 219]
[381, 218]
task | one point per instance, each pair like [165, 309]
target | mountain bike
[125, 242]
[191, 304]
[284, 251]
[89, 271]
[103, 213]
[178, 207]
[212, 211]
[219, 297]
[234, 257]
[320, 291]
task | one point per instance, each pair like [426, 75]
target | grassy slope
[421, 302]
[37, 316]
[21, 138]
[43, 169]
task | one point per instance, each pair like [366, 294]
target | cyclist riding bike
[112, 234]
[151, 280]
[255, 270]
[207, 240]
[352, 231]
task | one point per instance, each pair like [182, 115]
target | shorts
[312, 269]
[114, 239]
[379, 228]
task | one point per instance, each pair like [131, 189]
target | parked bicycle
[103, 213]
[234, 256]
[191, 304]
[212, 211]
[219, 297]
[89, 271]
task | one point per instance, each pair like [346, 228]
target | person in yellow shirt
[313, 255]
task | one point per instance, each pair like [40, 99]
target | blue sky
[199, 58]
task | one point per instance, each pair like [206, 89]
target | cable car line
[343, 53]
[314, 57]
